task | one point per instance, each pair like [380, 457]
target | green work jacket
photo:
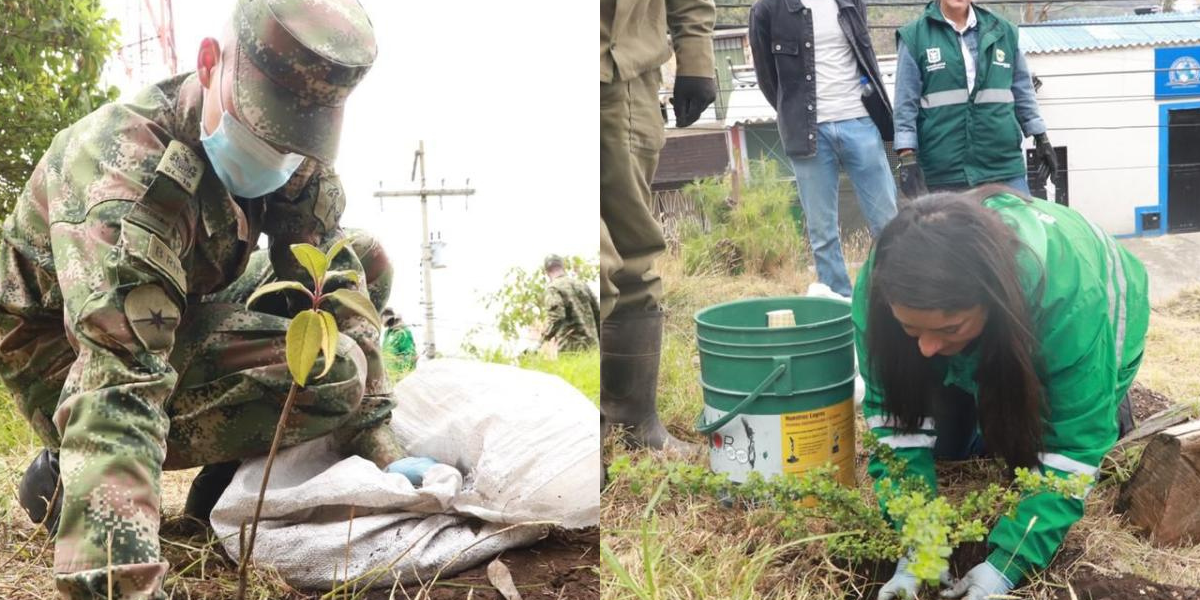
[1090, 319]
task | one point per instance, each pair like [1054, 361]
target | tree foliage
[518, 304]
[51, 56]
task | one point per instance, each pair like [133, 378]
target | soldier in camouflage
[121, 339]
[572, 310]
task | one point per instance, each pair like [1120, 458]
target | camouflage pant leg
[34, 360]
[233, 382]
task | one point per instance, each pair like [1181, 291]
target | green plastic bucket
[777, 399]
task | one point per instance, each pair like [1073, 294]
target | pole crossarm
[435, 192]
[426, 248]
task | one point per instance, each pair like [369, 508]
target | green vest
[965, 139]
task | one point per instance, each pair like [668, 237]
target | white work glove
[903, 585]
[981, 582]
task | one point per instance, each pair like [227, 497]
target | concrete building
[1121, 97]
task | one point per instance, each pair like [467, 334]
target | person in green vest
[964, 102]
[398, 347]
[992, 324]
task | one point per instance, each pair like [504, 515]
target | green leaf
[276, 286]
[304, 339]
[346, 274]
[337, 247]
[313, 261]
[329, 338]
[357, 302]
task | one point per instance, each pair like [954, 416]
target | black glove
[692, 95]
[912, 178]
[1047, 160]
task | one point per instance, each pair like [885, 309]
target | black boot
[207, 488]
[630, 344]
[41, 491]
[1125, 422]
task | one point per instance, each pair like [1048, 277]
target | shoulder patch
[182, 165]
[153, 317]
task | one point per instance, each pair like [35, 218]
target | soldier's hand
[692, 96]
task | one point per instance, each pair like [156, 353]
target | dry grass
[694, 548]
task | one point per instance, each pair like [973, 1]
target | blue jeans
[855, 145]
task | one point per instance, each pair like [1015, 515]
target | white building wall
[1111, 171]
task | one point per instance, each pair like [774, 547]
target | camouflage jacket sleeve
[691, 23]
[124, 291]
[556, 312]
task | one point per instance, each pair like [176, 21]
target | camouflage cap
[552, 260]
[296, 62]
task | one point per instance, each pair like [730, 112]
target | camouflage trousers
[232, 383]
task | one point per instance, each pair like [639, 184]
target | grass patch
[580, 369]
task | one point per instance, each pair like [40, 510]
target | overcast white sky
[499, 99]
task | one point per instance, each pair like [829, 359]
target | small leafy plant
[932, 527]
[927, 529]
[313, 332]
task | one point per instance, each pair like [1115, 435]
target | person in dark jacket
[816, 66]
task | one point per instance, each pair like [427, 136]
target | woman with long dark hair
[990, 323]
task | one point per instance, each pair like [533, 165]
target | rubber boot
[1125, 423]
[41, 491]
[207, 488]
[630, 345]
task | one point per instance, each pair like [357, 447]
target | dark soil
[564, 565]
[1089, 585]
[1147, 402]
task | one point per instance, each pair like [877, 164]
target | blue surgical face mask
[248, 166]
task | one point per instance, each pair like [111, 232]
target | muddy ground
[563, 565]
[1090, 585]
[1147, 402]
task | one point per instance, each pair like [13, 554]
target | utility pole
[426, 246]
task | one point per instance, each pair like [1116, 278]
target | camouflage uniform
[572, 311]
[116, 339]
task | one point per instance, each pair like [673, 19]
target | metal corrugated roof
[1127, 31]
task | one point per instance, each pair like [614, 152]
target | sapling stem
[262, 490]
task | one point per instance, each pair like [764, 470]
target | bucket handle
[701, 427]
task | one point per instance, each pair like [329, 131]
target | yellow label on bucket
[815, 437]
